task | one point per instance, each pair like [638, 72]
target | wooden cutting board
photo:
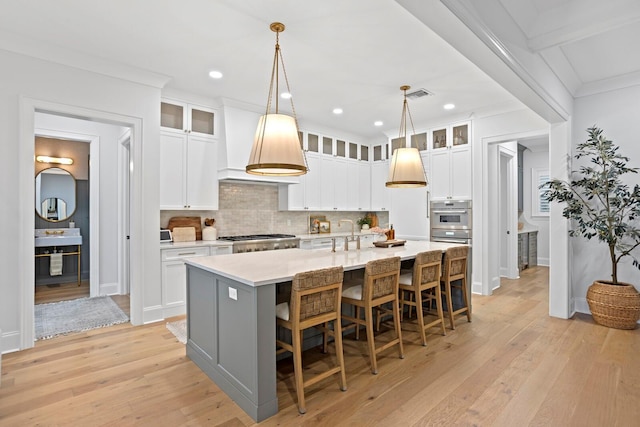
[184, 234]
[186, 221]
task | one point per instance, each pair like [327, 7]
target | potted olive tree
[602, 206]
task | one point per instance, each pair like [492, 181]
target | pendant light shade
[276, 148]
[406, 169]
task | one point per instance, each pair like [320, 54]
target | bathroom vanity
[64, 241]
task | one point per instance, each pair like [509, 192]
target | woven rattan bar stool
[315, 301]
[422, 286]
[455, 276]
[380, 287]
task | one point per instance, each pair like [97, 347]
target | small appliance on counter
[165, 236]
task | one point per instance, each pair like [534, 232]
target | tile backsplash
[252, 208]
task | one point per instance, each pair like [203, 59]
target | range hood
[238, 130]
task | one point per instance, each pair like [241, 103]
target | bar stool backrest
[316, 292]
[455, 262]
[427, 267]
[384, 275]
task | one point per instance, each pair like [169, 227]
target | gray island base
[231, 303]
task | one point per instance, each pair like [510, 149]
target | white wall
[617, 113]
[24, 81]
[535, 159]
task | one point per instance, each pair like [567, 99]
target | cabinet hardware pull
[187, 253]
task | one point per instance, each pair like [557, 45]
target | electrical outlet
[233, 294]
[288, 223]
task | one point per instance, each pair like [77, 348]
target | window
[539, 186]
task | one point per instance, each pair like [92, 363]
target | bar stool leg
[296, 337]
[418, 295]
[396, 321]
[370, 340]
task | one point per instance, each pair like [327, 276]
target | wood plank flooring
[512, 366]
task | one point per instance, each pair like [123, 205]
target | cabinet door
[313, 182]
[173, 116]
[461, 172]
[325, 184]
[201, 120]
[172, 167]
[202, 178]
[379, 191]
[295, 193]
[363, 186]
[341, 183]
[440, 172]
[174, 284]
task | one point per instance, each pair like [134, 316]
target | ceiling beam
[575, 21]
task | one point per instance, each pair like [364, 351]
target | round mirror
[55, 194]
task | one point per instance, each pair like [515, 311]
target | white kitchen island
[231, 303]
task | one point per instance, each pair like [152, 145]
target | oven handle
[463, 211]
[463, 241]
[428, 197]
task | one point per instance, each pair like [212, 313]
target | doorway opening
[104, 133]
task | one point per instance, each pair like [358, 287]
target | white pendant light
[406, 169]
[276, 148]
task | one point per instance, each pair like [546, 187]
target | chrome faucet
[347, 220]
[346, 239]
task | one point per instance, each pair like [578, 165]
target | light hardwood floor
[512, 366]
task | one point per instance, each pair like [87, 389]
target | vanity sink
[57, 237]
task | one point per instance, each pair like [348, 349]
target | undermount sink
[57, 237]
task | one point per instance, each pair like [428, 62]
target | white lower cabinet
[174, 275]
[315, 243]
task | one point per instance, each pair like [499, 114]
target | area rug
[61, 318]
[179, 329]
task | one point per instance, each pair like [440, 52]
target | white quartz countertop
[194, 244]
[267, 267]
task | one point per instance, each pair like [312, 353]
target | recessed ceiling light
[449, 106]
[337, 111]
[378, 123]
[285, 95]
[215, 74]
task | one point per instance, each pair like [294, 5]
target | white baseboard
[152, 314]
[476, 288]
[10, 342]
[109, 289]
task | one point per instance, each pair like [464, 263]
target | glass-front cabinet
[187, 118]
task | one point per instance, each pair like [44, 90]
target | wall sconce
[406, 169]
[56, 160]
[276, 148]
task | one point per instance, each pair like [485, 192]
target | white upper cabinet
[188, 178]
[339, 174]
[380, 198]
[450, 162]
[177, 116]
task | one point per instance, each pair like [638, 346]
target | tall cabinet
[188, 157]
[450, 160]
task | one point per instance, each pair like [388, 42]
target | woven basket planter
[615, 306]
